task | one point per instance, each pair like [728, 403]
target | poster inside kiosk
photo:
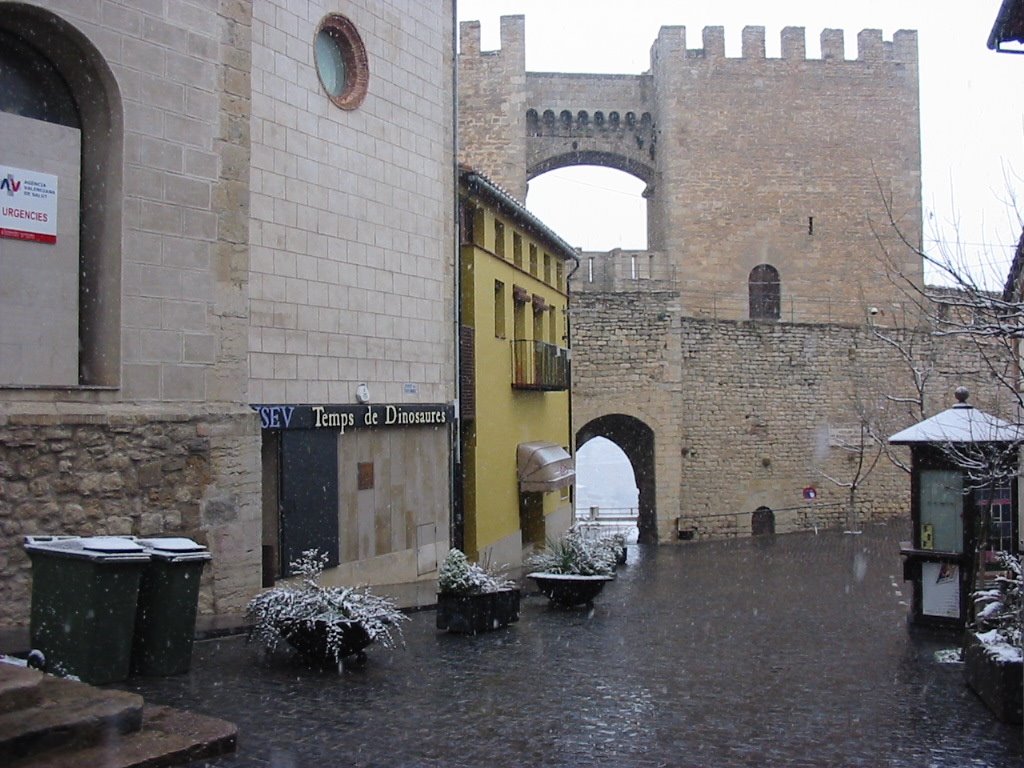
[28, 205]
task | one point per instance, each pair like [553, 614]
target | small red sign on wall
[28, 205]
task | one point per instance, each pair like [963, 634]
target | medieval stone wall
[748, 414]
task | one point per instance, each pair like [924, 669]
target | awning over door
[544, 467]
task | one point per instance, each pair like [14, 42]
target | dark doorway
[765, 293]
[309, 494]
[762, 522]
[636, 440]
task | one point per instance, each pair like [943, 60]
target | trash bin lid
[98, 548]
[173, 544]
[110, 544]
[175, 548]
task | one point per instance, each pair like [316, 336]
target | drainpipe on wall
[568, 342]
[455, 510]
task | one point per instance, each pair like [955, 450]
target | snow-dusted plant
[308, 604]
[458, 576]
[997, 611]
[576, 554]
[615, 543]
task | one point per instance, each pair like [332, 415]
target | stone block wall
[787, 162]
[132, 471]
[154, 435]
[492, 104]
[749, 414]
[352, 230]
[178, 99]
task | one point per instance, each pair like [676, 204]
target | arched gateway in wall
[612, 142]
[636, 440]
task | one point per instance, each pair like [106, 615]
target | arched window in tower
[765, 293]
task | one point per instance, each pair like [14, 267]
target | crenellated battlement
[672, 42]
[512, 36]
[871, 47]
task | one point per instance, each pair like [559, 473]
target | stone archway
[636, 440]
[613, 160]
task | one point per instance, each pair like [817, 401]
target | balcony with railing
[539, 366]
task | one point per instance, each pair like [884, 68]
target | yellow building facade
[515, 440]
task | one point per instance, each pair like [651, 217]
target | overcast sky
[972, 102]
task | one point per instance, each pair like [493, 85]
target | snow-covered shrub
[279, 610]
[614, 543]
[458, 576]
[997, 610]
[577, 554]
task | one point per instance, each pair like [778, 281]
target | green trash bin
[84, 595]
[168, 599]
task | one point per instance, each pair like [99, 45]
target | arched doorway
[636, 440]
[606, 490]
[762, 522]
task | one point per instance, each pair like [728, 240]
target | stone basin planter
[996, 679]
[569, 589]
[481, 612]
[310, 641]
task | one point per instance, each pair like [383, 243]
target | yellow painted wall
[506, 417]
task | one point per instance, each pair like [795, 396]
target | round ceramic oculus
[341, 62]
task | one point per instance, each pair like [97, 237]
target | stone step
[67, 713]
[19, 687]
[167, 737]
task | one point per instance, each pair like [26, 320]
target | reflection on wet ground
[744, 653]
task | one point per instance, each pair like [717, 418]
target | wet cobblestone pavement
[793, 652]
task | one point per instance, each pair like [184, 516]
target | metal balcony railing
[539, 366]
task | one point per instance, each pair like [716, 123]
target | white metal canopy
[544, 466]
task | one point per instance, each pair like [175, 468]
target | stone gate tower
[728, 360]
[778, 172]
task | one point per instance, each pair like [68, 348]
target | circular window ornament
[341, 63]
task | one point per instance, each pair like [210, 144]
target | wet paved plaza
[791, 652]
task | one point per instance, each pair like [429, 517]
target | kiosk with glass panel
[962, 510]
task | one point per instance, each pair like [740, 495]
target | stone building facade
[248, 238]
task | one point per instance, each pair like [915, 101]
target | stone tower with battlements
[789, 162]
[728, 360]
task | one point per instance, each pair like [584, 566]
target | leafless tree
[965, 309]
[961, 307]
[861, 453]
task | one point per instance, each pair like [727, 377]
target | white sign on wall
[28, 205]
[940, 590]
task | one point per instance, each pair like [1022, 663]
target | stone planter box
[310, 641]
[568, 589]
[470, 614]
[997, 682]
